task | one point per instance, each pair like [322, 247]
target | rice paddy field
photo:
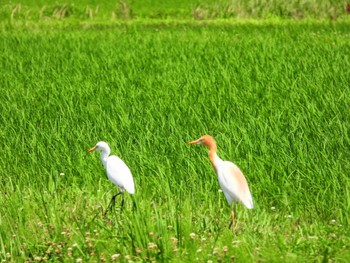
[272, 87]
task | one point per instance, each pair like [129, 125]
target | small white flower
[333, 221]
[61, 174]
[273, 208]
[115, 256]
[152, 245]
[220, 191]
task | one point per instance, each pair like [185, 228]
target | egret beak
[92, 149]
[199, 141]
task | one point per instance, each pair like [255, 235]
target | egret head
[206, 140]
[100, 146]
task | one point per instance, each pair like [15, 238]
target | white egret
[117, 171]
[231, 179]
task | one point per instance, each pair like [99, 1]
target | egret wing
[119, 173]
[234, 184]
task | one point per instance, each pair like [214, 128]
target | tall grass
[275, 98]
[37, 10]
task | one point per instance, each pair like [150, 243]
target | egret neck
[214, 158]
[104, 155]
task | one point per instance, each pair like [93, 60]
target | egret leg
[110, 203]
[122, 193]
[233, 215]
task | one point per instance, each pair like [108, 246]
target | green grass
[43, 10]
[275, 95]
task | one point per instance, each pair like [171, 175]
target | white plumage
[232, 182]
[119, 174]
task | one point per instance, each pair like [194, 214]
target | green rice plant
[273, 94]
[87, 10]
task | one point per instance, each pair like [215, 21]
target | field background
[269, 80]
[44, 10]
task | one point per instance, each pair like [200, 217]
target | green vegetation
[274, 94]
[43, 10]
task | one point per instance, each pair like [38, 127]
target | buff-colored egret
[231, 179]
[117, 171]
